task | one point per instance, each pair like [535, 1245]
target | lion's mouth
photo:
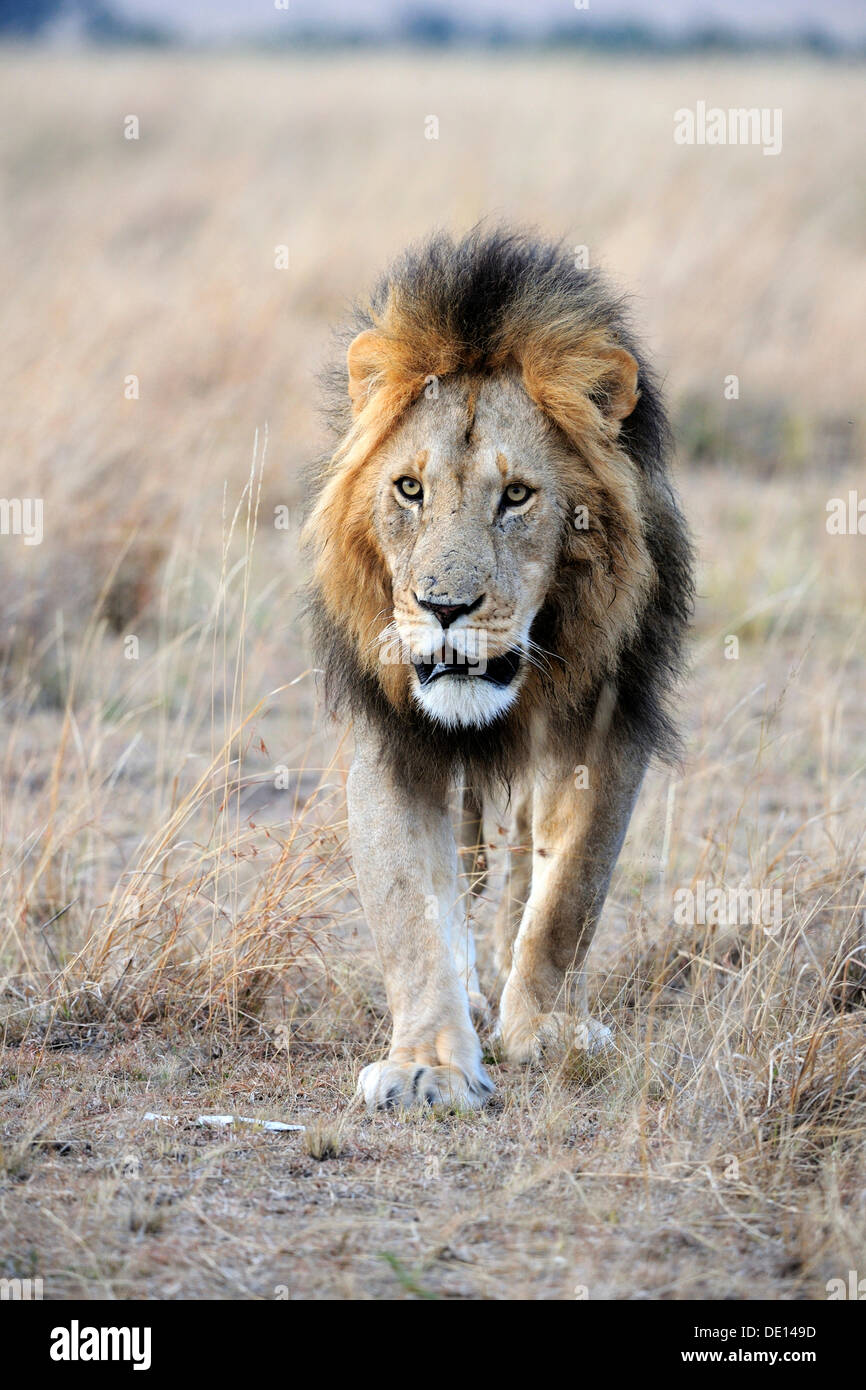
[500, 670]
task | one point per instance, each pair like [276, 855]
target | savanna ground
[178, 928]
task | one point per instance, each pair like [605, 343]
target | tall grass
[209, 910]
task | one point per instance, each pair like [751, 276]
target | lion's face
[450, 518]
[468, 513]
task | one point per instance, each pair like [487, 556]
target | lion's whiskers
[533, 651]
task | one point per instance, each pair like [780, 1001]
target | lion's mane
[622, 596]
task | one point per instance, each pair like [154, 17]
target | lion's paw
[387, 1085]
[555, 1033]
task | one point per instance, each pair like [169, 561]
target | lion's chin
[461, 702]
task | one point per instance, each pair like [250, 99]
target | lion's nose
[447, 612]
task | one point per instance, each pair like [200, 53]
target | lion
[501, 584]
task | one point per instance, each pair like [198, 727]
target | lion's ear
[619, 378]
[364, 360]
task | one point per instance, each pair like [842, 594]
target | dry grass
[178, 932]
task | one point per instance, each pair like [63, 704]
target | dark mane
[480, 291]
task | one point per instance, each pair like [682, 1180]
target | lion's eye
[410, 488]
[516, 494]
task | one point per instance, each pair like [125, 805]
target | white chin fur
[453, 702]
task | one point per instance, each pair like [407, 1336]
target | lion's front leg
[405, 859]
[579, 823]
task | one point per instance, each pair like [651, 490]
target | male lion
[502, 581]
